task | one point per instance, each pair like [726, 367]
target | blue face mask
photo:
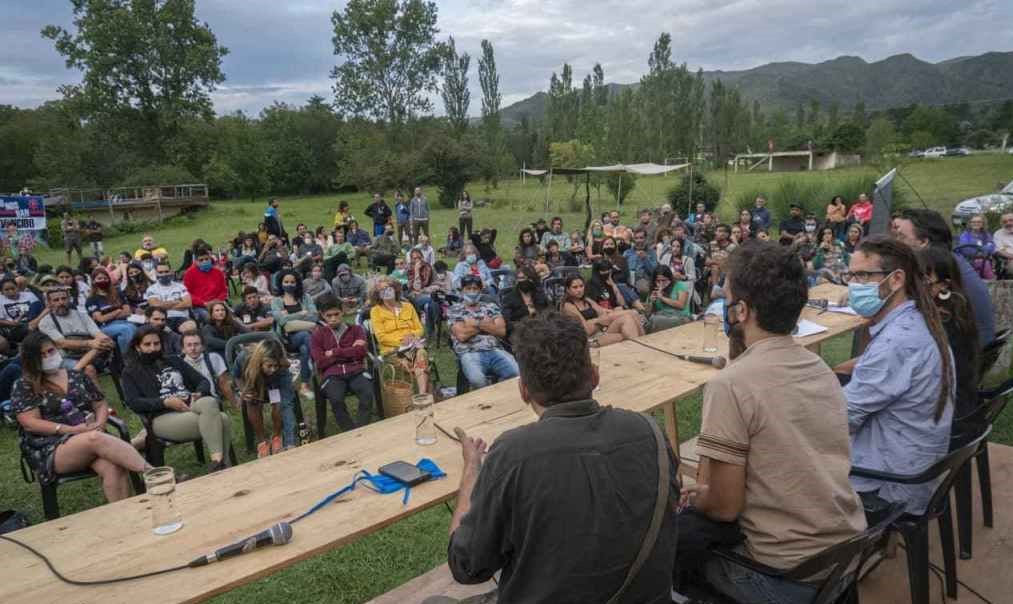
[864, 298]
[471, 298]
[204, 266]
[470, 258]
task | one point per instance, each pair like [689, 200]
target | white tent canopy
[647, 169]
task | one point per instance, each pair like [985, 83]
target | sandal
[262, 450]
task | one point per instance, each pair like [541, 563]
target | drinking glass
[711, 325]
[425, 424]
[161, 488]
[595, 353]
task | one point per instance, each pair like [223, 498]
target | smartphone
[405, 472]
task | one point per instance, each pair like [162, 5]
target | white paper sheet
[844, 310]
[807, 328]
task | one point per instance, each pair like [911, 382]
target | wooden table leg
[816, 348]
[672, 424]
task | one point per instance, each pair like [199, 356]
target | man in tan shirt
[774, 450]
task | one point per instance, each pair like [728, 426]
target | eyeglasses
[861, 276]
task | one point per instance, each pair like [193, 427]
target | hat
[342, 268]
[796, 206]
[470, 280]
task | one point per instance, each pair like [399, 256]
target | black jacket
[514, 308]
[141, 388]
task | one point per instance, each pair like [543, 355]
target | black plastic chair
[915, 528]
[838, 566]
[990, 353]
[967, 428]
[50, 500]
[554, 290]
[232, 349]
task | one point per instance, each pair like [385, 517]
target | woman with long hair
[595, 235]
[398, 330]
[419, 275]
[603, 326]
[264, 378]
[683, 267]
[78, 291]
[295, 315]
[745, 225]
[977, 246]
[175, 396]
[853, 238]
[469, 263]
[62, 415]
[465, 206]
[222, 325]
[134, 286]
[527, 248]
[669, 301]
[603, 290]
[942, 276]
[109, 311]
[831, 258]
[525, 299]
[836, 216]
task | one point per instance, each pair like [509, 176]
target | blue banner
[27, 212]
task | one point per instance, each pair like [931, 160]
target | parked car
[958, 151]
[916, 153]
[993, 202]
[935, 152]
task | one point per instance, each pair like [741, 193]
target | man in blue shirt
[919, 228]
[900, 392]
[760, 214]
[641, 261]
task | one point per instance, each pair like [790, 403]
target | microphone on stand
[279, 534]
[717, 362]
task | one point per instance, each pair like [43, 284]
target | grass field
[390, 557]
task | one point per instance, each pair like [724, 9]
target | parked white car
[935, 152]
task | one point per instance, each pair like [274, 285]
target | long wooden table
[116, 539]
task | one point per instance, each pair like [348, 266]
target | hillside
[895, 81]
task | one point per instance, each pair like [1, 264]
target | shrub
[703, 191]
[629, 182]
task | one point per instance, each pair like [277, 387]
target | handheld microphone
[717, 362]
[279, 534]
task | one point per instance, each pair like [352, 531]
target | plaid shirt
[481, 342]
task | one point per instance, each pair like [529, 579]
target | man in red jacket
[205, 283]
[339, 354]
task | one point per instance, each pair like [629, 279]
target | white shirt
[1003, 241]
[173, 292]
[217, 367]
[17, 309]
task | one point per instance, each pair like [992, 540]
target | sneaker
[275, 445]
[262, 450]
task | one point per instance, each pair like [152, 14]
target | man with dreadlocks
[901, 388]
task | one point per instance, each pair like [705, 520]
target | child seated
[339, 354]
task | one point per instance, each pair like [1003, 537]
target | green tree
[880, 136]
[488, 77]
[455, 93]
[391, 58]
[147, 67]
[450, 163]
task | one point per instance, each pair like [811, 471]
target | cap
[342, 268]
[470, 280]
[796, 206]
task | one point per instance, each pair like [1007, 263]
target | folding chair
[50, 500]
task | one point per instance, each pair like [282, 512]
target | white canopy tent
[645, 169]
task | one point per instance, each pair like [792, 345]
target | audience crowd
[334, 302]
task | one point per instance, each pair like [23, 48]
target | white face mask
[53, 362]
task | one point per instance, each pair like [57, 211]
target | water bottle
[304, 434]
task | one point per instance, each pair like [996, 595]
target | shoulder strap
[660, 504]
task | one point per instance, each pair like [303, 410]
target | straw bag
[396, 385]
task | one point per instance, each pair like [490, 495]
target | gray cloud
[281, 51]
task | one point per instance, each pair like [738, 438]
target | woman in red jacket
[339, 354]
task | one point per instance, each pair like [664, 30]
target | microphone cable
[70, 581]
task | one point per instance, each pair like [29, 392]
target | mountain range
[893, 82]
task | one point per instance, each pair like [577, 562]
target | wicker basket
[396, 385]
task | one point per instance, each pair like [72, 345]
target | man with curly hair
[562, 505]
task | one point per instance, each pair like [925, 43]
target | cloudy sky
[281, 49]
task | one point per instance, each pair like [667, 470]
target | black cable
[662, 351]
[59, 576]
[939, 573]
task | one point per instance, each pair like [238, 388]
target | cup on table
[425, 423]
[711, 326]
[160, 484]
[595, 353]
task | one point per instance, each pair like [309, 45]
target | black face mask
[149, 358]
[609, 250]
[526, 287]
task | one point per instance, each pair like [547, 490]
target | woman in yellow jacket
[398, 330]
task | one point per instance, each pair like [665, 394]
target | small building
[126, 204]
[794, 161]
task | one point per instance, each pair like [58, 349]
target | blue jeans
[749, 587]
[200, 314]
[629, 293]
[284, 384]
[121, 331]
[477, 366]
[300, 340]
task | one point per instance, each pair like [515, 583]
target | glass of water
[711, 326]
[425, 423]
[161, 487]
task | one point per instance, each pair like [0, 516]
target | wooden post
[690, 199]
[619, 196]
[548, 189]
[770, 162]
[810, 159]
[524, 166]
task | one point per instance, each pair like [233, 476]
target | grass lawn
[390, 557]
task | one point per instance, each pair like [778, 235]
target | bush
[628, 180]
[703, 191]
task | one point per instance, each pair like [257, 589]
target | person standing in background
[402, 215]
[464, 207]
[380, 212]
[419, 210]
[71, 236]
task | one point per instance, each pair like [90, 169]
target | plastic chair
[991, 405]
[990, 353]
[232, 349]
[50, 500]
[915, 528]
[838, 565]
